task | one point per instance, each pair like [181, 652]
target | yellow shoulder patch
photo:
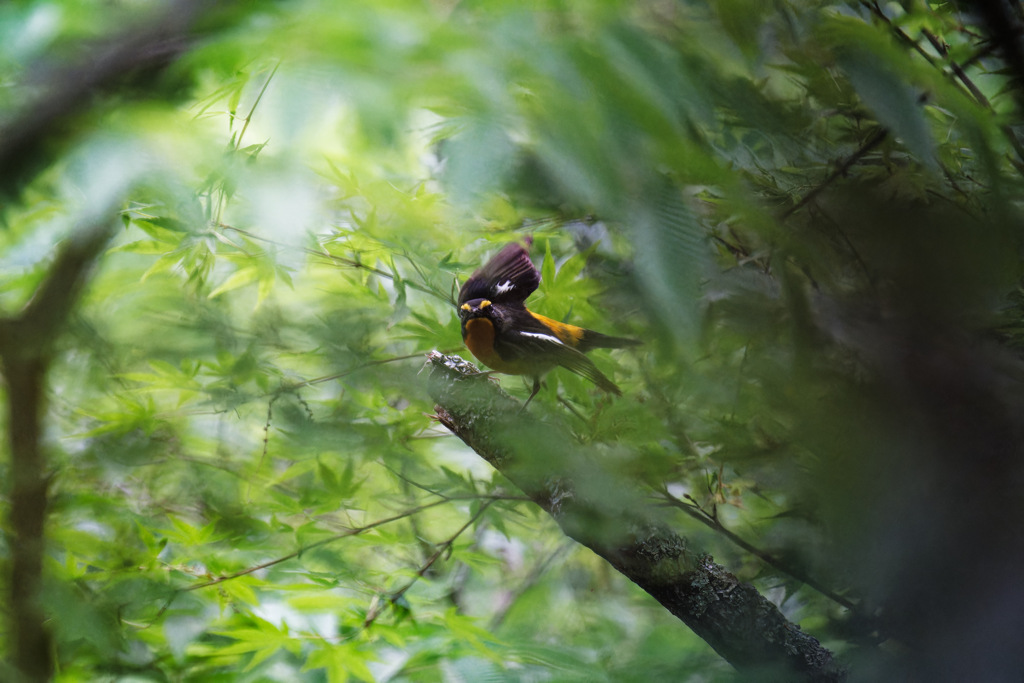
[569, 334]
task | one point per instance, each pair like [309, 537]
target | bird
[507, 337]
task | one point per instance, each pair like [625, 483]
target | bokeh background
[808, 212]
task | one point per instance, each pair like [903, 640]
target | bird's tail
[596, 340]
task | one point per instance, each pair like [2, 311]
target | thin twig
[943, 50]
[711, 520]
[355, 531]
[868, 145]
[378, 607]
[411, 482]
[850, 246]
[339, 375]
[290, 556]
[266, 443]
[293, 388]
[348, 262]
[538, 570]
[252, 110]
[223, 198]
[958, 70]
[874, 8]
[1007, 131]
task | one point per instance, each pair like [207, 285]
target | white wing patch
[540, 335]
[505, 286]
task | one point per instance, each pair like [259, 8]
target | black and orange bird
[509, 338]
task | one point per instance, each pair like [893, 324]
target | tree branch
[1004, 28]
[601, 513]
[958, 71]
[26, 344]
[29, 141]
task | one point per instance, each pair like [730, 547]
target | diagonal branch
[844, 166]
[442, 548]
[354, 531]
[600, 512]
[958, 72]
[712, 522]
[30, 140]
[1004, 26]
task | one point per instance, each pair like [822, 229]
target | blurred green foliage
[247, 483]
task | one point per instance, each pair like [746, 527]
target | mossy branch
[606, 515]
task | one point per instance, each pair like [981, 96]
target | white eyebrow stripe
[505, 286]
[540, 335]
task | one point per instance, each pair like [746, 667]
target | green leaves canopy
[246, 481]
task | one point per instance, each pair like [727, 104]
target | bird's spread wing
[509, 277]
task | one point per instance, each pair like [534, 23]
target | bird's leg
[536, 388]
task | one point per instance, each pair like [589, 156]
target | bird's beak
[468, 311]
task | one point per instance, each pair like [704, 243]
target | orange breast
[480, 341]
